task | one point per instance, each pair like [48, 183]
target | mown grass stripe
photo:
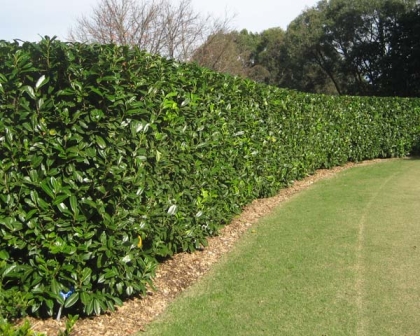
[360, 263]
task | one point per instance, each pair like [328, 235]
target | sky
[28, 20]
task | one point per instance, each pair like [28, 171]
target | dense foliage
[359, 47]
[112, 158]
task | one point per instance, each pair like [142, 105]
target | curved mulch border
[178, 273]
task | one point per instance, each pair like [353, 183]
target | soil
[179, 272]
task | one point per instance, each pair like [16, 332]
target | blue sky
[29, 19]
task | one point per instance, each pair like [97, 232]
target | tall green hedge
[112, 158]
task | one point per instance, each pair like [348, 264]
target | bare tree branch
[157, 26]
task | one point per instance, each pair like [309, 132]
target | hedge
[112, 159]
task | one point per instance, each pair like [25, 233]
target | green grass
[341, 258]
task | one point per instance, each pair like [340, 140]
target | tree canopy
[361, 47]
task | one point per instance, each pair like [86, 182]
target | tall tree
[268, 54]
[247, 54]
[347, 43]
[221, 53]
[360, 32]
[310, 64]
[402, 77]
[229, 52]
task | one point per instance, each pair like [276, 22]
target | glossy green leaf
[86, 298]
[4, 255]
[86, 275]
[101, 142]
[55, 287]
[41, 82]
[97, 307]
[45, 186]
[60, 199]
[36, 161]
[89, 307]
[129, 290]
[62, 207]
[30, 91]
[71, 300]
[56, 185]
[73, 204]
[8, 270]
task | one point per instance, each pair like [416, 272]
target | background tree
[268, 55]
[402, 77]
[247, 54]
[157, 26]
[309, 63]
[360, 31]
[351, 44]
[222, 53]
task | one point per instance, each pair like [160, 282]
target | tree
[346, 43]
[221, 53]
[309, 64]
[403, 64]
[260, 52]
[157, 26]
[246, 54]
[228, 52]
[268, 55]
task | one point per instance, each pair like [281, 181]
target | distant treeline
[359, 47]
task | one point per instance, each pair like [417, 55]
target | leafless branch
[157, 26]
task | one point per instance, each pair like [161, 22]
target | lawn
[341, 258]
